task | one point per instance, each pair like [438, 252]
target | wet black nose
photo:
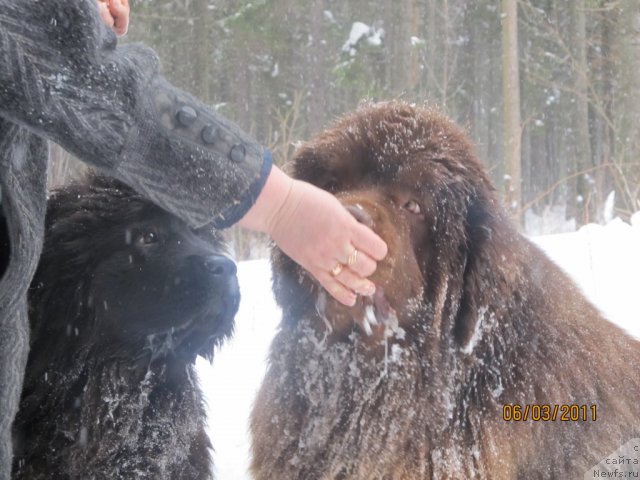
[360, 214]
[220, 265]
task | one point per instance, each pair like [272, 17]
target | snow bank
[237, 371]
[605, 262]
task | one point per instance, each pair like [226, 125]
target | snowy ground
[605, 261]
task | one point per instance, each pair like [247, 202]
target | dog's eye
[148, 238]
[413, 207]
[329, 183]
[330, 186]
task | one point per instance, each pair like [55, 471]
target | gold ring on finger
[353, 258]
[335, 271]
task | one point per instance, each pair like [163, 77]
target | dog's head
[118, 273]
[411, 175]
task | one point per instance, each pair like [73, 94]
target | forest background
[549, 91]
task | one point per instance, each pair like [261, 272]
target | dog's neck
[152, 411]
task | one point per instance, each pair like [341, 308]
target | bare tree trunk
[396, 46]
[431, 47]
[202, 50]
[602, 131]
[583, 199]
[317, 58]
[446, 53]
[627, 107]
[512, 124]
[413, 73]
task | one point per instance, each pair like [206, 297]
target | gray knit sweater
[63, 78]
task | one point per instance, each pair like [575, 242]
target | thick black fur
[124, 299]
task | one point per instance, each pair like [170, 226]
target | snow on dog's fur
[124, 299]
[469, 316]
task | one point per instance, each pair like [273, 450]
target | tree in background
[282, 69]
[511, 101]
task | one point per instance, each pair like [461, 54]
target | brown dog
[469, 316]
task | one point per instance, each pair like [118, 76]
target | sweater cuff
[234, 213]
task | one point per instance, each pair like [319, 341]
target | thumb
[120, 11]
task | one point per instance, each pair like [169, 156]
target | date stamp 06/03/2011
[514, 412]
[621, 463]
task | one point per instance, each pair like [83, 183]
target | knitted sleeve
[63, 77]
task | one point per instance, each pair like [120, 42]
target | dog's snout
[221, 266]
[360, 214]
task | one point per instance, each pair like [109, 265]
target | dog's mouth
[187, 341]
[200, 334]
[373, 315]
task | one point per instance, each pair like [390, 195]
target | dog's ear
[479, 219]
[293, 290]
[309, 164]
[479, 235]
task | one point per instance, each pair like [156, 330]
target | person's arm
[63, 78]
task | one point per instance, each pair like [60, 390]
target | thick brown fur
[469, 316]
[124, 299]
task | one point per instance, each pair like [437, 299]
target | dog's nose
[360, 214]
[220, 265]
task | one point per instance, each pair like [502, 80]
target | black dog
[125, 297]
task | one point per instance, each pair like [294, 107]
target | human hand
[313, 228]
[115, 14]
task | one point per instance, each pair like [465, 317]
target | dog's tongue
[380, 302]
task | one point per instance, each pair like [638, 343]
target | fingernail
[368, 289]
[352, 300]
